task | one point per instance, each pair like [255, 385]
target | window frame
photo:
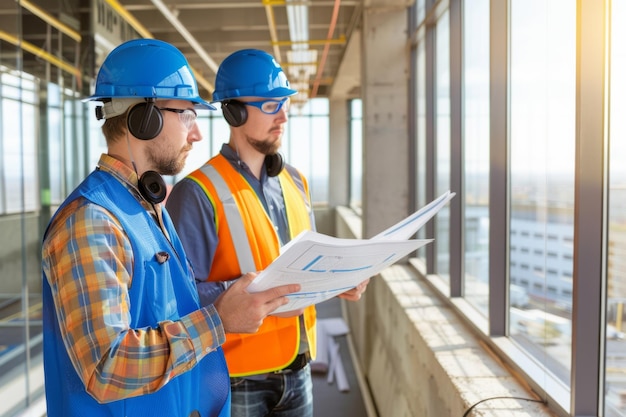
[585, 395]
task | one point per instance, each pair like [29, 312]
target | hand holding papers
[325, 266]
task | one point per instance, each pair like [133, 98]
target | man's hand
[244, 312]
[355, 293]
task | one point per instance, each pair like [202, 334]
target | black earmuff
[274, 164]
[234, 112]
[145, 120]
[152, 187]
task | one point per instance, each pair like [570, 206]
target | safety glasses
[187, 116]
[269, 106]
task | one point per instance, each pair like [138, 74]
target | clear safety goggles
[187, 116]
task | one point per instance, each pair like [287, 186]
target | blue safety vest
[159, 291]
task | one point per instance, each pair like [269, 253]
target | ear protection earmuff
[145, 120]
[274, 164]
[234, 112]
[152, 187]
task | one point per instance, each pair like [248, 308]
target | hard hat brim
[197, 103]
[236, 94]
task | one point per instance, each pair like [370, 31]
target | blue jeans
[286, 394]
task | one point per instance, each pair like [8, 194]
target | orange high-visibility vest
[247, 242]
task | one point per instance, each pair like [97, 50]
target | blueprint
[326, 266]
[410, 225]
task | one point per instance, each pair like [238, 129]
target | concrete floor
[328, 400]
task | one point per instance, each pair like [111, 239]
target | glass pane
[542, 149]
[305, 145]
[318, 107]
[356, 152]
[319, 162]
[476, 150]
[220, 132]
[19, 157]
[442, 139]
[420, 10]
[54, 138]
[21, 378]
[97, 142]
[616, 270]
[420, 132]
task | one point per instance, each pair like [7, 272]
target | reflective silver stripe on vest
[233, 218]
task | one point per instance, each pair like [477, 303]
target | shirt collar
[231, 156]
[119, 169]
[124, 174]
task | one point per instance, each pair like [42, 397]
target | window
[305, 145]
[542, 125]
[476, 150]
[442, 140]
[356, 152]
[534, 127]
[615, 392]
[420, 132]
[19, 144]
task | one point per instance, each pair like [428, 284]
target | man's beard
[168, 165]
[264, 146]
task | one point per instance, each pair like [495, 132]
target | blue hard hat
[250, 73]
[147, 68]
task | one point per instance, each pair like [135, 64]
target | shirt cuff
[206, 330]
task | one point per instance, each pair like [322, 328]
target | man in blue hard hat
[234, 214]
[124, 332]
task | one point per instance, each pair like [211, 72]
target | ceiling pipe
[320, 68]
[51, 20]
[271, 23]
[129, 18]
[139, 28]
[40, 53]
[341, 40]
[167, 13]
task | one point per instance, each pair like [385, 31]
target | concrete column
[385, 64]
[339, 147]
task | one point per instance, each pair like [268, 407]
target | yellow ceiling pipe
[339, 41]
[40, 53]
[51, 20]
[326, 81]
[129, 18]
[298, 64]
[271, 23]
[141, 29]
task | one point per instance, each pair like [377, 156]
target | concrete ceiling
[206, 31]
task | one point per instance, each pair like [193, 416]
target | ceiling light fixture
[298, 18]
[302, 61]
